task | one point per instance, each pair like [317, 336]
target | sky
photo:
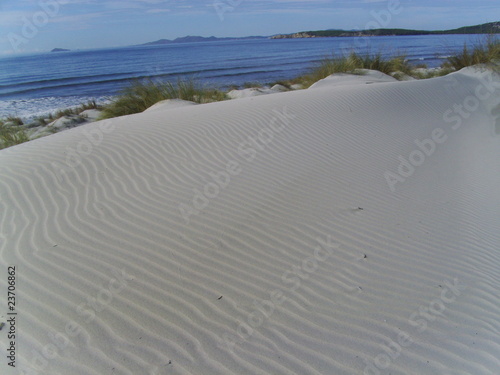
[40, 25]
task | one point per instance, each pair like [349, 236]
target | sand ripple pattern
[102, 244]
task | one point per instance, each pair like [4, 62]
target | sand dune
[338, 230]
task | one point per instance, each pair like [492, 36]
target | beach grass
[353, 64]
[14, 120]
[141, 95]
[91, 104]
[11, 135]
[432, 73]
[251, 85]
[484, 52]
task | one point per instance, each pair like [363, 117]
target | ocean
[37, 84]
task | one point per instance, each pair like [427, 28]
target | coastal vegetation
[354, 63]
[11, 134]
[13, 120]
[141, 95]
[14, 130]
[486, 52]
[91, 104]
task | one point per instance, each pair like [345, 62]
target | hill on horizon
[487, 28]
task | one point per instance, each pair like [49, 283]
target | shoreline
[35, 127]
[434, 54]
[56, 104]
[140, 95]
[103, 100]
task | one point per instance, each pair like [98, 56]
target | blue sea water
[37, 84]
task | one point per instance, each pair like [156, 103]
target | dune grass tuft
[14, 120]
[484, 52]
[11, 135]
[251, 85]
[432, 73]
[141, 95]
[353, 64]
[91, 104]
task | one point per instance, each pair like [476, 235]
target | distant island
[487, 28]
[189, 39]
[60, 50]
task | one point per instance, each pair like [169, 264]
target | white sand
[112, 278]
[256, 91]
[170, 104]
[365, 77]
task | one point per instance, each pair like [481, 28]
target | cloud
[154, 11]
[12, 18]
[78, 18]
[153, 1]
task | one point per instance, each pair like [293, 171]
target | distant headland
[60, 50]
[487, 28]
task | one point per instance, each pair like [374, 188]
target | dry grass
[11, 135]
[141, 95]
[484, 52]
[354, 63]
